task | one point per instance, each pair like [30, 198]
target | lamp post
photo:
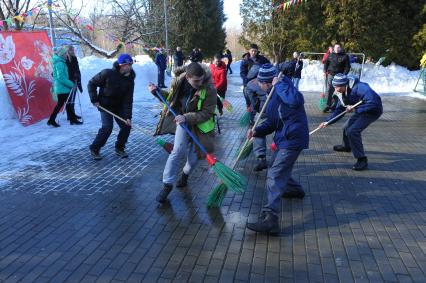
[165, 25]
[52, 32]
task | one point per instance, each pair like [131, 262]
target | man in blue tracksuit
[286, 117]
[161, 62]
[366, 113]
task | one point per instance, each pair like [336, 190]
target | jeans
[228, 68]
[296, 82]
[279, 179]
[106, 130]
[160, 81]
[352, 132]
[181, 149]
[330, 91]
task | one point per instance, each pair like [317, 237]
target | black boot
[95, 153]
[53, 123]
[75, 122]
[121, 152]
[267, 223]
[260, 165]
[162, 196]
[361, 164]
[183, 181]
[341, 148]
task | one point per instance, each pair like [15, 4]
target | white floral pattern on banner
[44, 69]
[27, 63]
[7, 49]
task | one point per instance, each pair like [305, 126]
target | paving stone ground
[72, 219]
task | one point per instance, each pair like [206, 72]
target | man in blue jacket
[161, 62]
[366, 113]
[286, 117]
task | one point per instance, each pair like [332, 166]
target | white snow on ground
[19, 142]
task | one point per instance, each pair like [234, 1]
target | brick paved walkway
[75, 220]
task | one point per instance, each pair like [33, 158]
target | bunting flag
[21, 17]
[287, 5]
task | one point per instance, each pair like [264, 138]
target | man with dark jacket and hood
[115, 94]
[161, 62]
[336, 62]
[286, 116]
[366, 113]
[193, 97]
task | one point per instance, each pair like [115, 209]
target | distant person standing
[178, 57]
[297, 69]
[228, 55]
[218, 71]
[116, 86]
[161, 62]
[196, 55]
[337, 62]
[74, 75]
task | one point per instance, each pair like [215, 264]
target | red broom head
[211, 159]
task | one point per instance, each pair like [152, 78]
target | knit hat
[124, 59]
[266, 73]
[61, 50]
[340, 80]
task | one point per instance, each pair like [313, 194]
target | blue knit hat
[266, 73]
[340, 80]
[124, 59]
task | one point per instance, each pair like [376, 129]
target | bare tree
[13, 9]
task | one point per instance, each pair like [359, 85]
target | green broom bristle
[227, 105]
[217, 195]
[245, 151]
[245, 119]
[233, 180]
[323, 101]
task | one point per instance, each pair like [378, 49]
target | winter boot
[75, 122]
[294, 194]
[261, 164]
[267, 223]
[341, 148]
[53, 123]
[183, 181]
[95, 153]
[162, 196]
[361, 164]
[121, 152]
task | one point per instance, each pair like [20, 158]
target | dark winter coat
[178, 58]
[337, 63]
[161, 60]
[219, 76]
[248, 63]
[74, 71]
[193, 116]
[287, 117]
[371, 101]
[287, 68]
[229, 56]
[196, 56]
[298, 66]
[115, 90]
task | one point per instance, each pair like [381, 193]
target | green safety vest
[208, 125]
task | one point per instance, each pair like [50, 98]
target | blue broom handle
[184, 126]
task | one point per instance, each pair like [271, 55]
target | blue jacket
[371, 101]
[247, 63]
[161, 61]
[287, 117]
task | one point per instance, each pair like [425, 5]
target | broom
[166, 145]
[226, 104]
[217, 195]
[323, 100]
[335, 118]
[229, 177]
[245, 119]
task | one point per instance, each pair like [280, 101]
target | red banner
[27, 71]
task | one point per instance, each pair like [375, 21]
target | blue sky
[232, 11]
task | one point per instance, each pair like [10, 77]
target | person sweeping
[366, 113]
[286, 116]
[193, 98]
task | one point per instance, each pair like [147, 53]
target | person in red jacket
[329, 50]
[218, 71]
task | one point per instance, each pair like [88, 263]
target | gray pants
[352, 132]
[279, 179]
[330, 91]
[259, 145]
[182, 148]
